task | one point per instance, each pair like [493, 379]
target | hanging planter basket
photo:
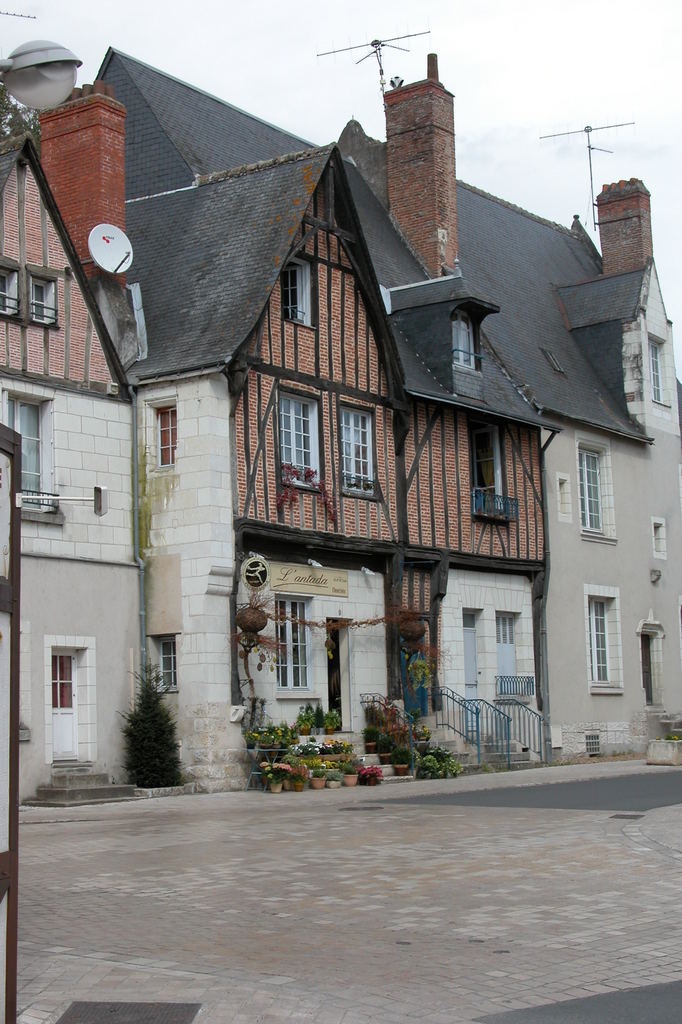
[251, 620]
[412, 630]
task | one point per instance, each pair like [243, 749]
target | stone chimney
[420, 167]
[624, 212]
[83, 156]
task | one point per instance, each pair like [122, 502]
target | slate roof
[7, 161]
[207, 258]
[175, 131]
[616, 297]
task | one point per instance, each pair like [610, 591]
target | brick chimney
[624, 226]
[420, 168]
[83, 156]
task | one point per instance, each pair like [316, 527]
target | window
[167, 431]
[9, 296]
[296, 292]
[26, 419]
[298, 433]
[168, 662]
[603, 639]
[656, 368]
[487, 470]
[292, 659]
[659, 538]
[356, 445]
[506, 650]
[463, 349]
[599, 666]
[564, 505]
[43, 301]
[590, 490]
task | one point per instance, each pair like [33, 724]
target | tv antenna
[13, 14]
[587, 130]
[377, 46]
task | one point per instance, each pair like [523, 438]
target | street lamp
[40, 74]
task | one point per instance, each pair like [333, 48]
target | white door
[506, 649]
[470, 661]
[64, 717]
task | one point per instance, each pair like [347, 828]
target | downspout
[544, 661]
[136, 534]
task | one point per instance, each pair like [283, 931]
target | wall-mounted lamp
[315, 565]
[40, 74]
[256, 554]
[367, 572]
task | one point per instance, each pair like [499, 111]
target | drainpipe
[136, 534]
[544, 661]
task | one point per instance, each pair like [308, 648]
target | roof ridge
[516, 209]
[202, 92]
[262, 165]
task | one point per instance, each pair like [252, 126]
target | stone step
[79, 780]
[68, 796]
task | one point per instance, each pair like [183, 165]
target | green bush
[438, 764]
[151, 748]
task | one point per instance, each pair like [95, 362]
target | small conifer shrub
[151, 747]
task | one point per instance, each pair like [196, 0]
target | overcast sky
[518, 70]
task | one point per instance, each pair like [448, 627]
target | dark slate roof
[208, 257]
[175, 132]
[616, 297]
[7, 162]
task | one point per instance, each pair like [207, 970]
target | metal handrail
[527, 724]
[477, 721]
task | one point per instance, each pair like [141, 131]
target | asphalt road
[653, 1004]
[628, 793]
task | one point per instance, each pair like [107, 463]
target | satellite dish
[110, 248]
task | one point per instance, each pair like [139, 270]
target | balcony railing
[358, 483]
[485, 502]
[42, 500]
[515, 686]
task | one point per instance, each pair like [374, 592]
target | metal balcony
[515, 686]
[486, 503]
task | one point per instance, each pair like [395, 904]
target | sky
[519, 69]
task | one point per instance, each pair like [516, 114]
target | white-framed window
[463, 341]
[166, 434]
[293, 638]
[656, 370]
[43, 301]
[603, 638]
[658, 536]
[487, 468]
[31, 419]
[9, 292]
[356, 450]
[506, 647]
[298, 433]
[296, 304]
[564, 500]
[168, 662]
[589, 466]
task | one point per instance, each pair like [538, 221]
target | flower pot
[333, 784]
[286, 785]
[298, 785]
[350, 780]
[372, 781]
[385, 758]
[251, 620]
[316, 783]
[412, 630]
[401, 769]
[370, 748]
[329, 730]
[275, 787]
[304, 730]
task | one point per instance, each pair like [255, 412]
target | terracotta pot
[251, 620]
[316, 783]
[350, 780]
[370, 748]
[286, 785]
[333, 784]
[298, 785]
[385, 758]
[329, 730]
[304, 730]
[401, 769]
[275, 787]
[372, 781]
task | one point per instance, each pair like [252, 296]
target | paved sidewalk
[352, 906]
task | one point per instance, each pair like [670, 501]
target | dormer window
[296, 292]
[463, 341]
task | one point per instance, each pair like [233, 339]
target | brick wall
[625, 226]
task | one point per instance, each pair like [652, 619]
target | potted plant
[349, 770]
[305, 720]
[334, 778]
[299, 776]
[370, 735]
[438, 764]
[421, 734]
[318, 724]
[385, 747]
[274, 774]
[332, 721]
[400, 759]
[318, 778]
[370, 775]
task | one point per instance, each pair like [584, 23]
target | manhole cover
[627, 815]
[130, 1013]
[364, 807]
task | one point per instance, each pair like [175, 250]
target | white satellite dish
[110, 248]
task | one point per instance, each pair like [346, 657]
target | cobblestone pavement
[346, 906]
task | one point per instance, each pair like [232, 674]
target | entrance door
[645, 645]
[470, 660]
[64, 720]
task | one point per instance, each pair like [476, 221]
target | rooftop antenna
[377, 46]
[13, 14]
[587, 130]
